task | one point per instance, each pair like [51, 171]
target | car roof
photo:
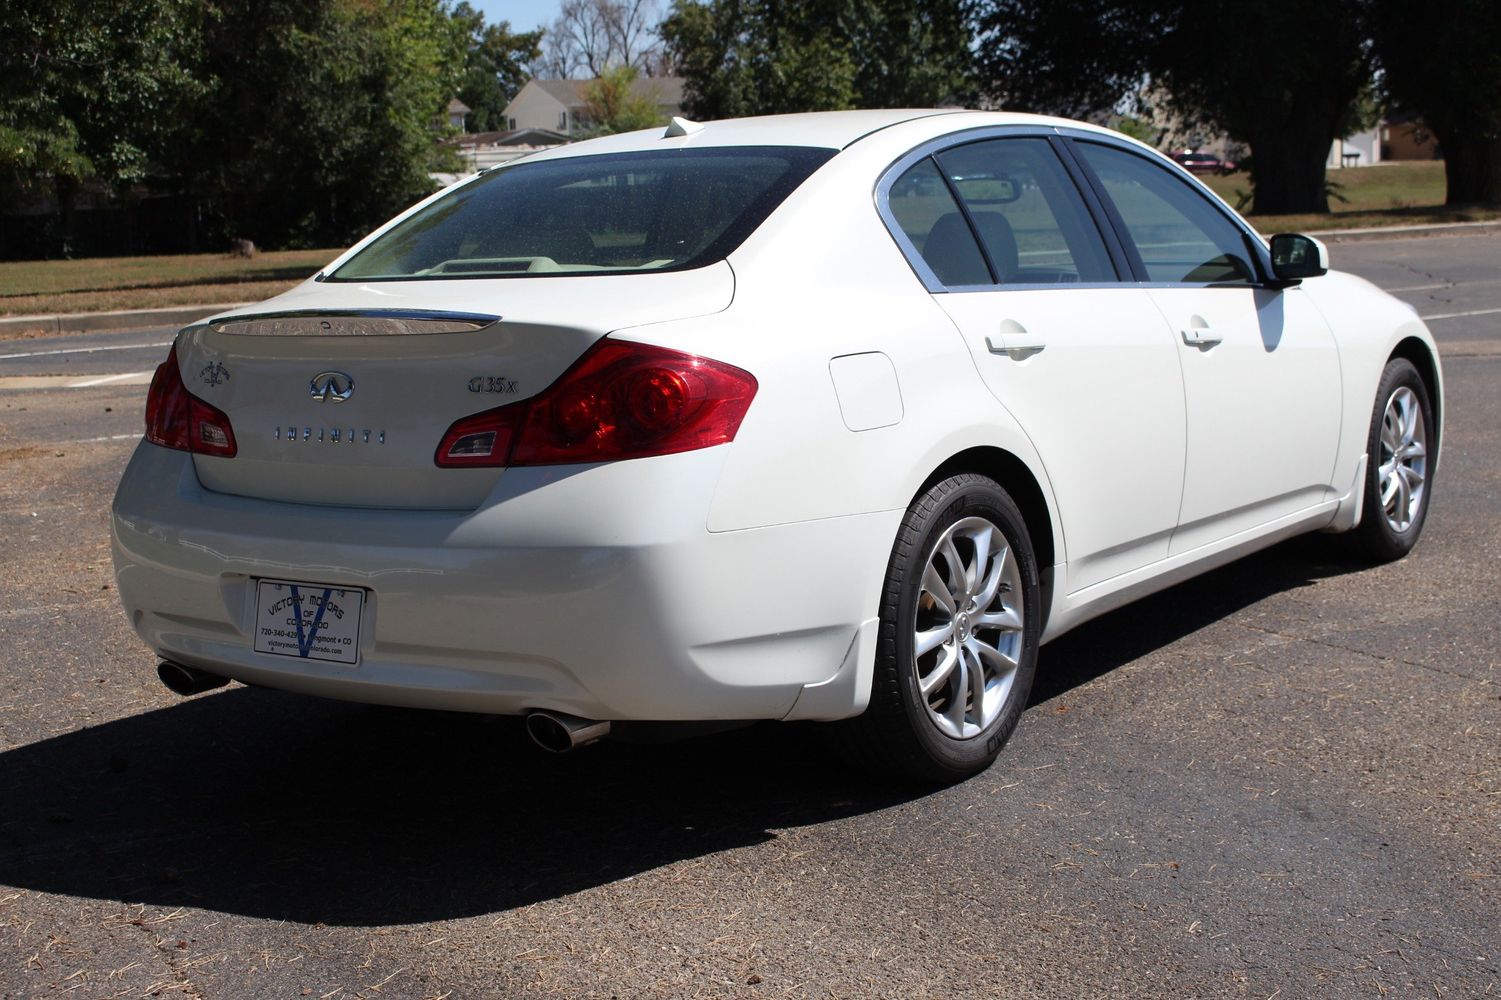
[821, 129]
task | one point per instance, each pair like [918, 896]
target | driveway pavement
[1280, 780]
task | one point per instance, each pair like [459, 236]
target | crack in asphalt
[1362, 652]
[159, 946]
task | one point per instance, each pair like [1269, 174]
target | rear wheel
[1399, 466]
[958, 637]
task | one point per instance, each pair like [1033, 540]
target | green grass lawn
[1408, 193]
[105, 283]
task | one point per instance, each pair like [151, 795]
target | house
[483, 150]
[457, 109]
[1398, 136]
[558, 105]
[1405, 137]
[1359, 149]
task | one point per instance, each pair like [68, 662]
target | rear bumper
[591, 590]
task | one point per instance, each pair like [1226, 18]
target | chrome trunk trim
[351, 323]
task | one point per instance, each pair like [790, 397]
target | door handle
[1015, 342]
[1200, 335]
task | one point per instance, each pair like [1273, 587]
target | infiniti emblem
[331, 387]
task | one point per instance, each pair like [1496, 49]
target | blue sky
[524, 15]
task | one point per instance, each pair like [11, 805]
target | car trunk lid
[339, 395]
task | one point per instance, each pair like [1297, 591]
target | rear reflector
[175, 418]
[620, 400]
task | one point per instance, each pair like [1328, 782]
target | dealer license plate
[308, 620]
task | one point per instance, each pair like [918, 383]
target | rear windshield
[660, 210]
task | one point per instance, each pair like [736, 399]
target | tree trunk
[66, 189]
[1287, 174]
[1472, 167]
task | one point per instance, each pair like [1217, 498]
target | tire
[978, 659]
[1400, 444]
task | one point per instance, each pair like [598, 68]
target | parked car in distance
[832, 417]
[1204, 163]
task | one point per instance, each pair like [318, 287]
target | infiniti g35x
[830, 417]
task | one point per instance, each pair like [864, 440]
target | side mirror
[1295, 257]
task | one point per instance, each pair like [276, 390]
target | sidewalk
[120, 320]
[1404, 232]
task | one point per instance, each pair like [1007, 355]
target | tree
[591, 36]
[1441, 60]
[1282, 77]
[751, 57]
[90, 91]
[1074, 58]
[326, 125]
[1288, 103]
[613, 104]
[908, 53]
[745, 57]
[495, 66]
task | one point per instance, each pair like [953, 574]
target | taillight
[620, 400]
[175, 418]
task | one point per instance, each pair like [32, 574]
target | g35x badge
[492, 383]
[214, 375]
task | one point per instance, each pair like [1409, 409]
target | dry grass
[1408, 193]
[106, 283]
[141, 298]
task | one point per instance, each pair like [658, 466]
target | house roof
[511, 137]
[665, 90]
[458, 107]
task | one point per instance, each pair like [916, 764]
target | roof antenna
[681, 127]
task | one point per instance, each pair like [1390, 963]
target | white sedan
[834, 417]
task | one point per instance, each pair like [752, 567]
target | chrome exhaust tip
[556, 732]
[187, 680]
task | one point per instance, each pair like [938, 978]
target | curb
[1469, 348]
[122, 320]
[1405, 232]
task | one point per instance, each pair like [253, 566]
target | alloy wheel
[1402, 473]
[967, 629]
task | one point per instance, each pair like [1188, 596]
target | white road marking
[21, 382]
[1420, 288]
[111, 437]
[105, 380]
[1472, 312]
[85, 350]
[47, 609]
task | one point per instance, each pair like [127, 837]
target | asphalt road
[1454, 281]
[1280, 780]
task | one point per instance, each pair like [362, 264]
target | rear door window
[1029, 214]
